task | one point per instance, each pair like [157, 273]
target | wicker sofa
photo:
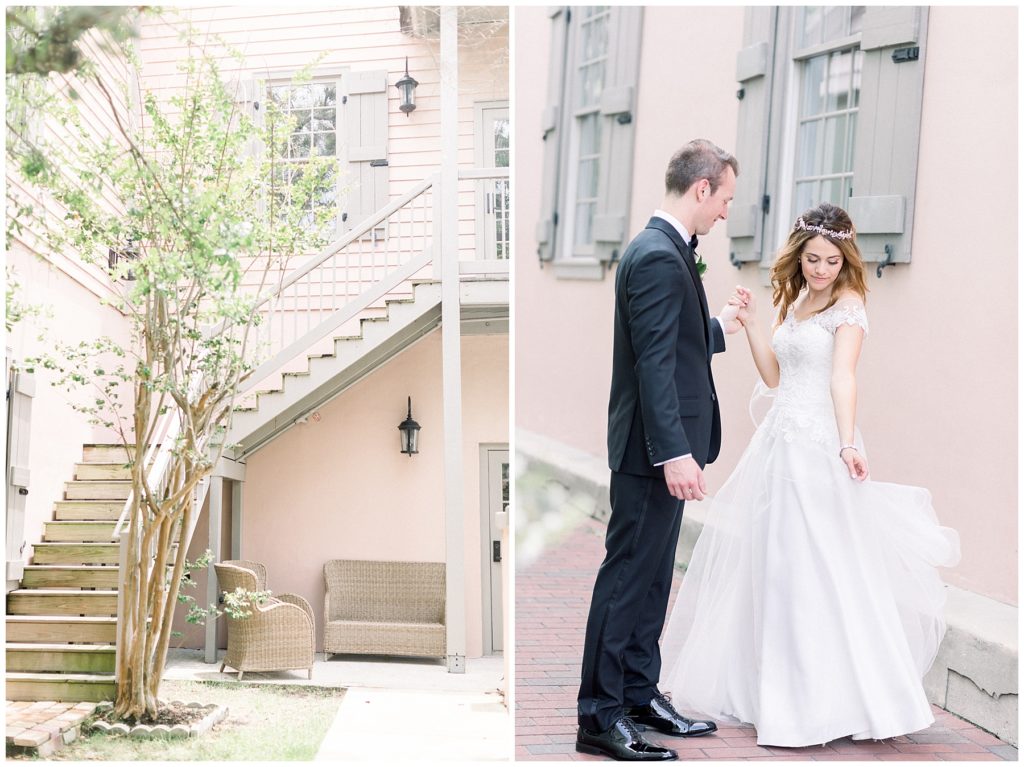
[384, 608]
[279, 635]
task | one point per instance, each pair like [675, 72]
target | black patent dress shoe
[621, 741]
[661, 716]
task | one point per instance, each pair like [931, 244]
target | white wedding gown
[811, 607]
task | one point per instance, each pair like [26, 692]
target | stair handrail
[333, 248]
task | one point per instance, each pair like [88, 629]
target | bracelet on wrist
[847, 447]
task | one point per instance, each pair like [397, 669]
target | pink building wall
[71, 313]
[937, 378]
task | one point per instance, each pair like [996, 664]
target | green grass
[264, 723]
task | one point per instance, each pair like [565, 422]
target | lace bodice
[803, 400]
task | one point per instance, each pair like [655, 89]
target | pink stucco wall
[937, 380]
[340, 489]
[70, 313]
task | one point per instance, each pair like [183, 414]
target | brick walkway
[552, 599]
[40, 728]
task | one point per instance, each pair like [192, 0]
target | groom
[663, 427]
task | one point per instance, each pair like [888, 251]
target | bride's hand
[856, 463]
[747, 307]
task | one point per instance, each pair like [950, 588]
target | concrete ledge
[975, 673]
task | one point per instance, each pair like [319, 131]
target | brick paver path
[40, 728]
[552, 599]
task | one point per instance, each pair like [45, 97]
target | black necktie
[693, 243]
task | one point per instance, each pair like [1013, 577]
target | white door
[494, 135]
[497, 485]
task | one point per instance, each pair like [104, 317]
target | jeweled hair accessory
[844, 235]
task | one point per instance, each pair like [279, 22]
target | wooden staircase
[61, 623]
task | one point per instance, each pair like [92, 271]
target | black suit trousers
[621, 656]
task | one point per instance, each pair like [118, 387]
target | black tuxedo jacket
[663, 402]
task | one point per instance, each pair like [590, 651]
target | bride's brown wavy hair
[787, 277]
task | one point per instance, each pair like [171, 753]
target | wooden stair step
[60, 658]
[59, 687]
[68, 511]
[97, 490]
[102, 471]
[75, 554]
[105, 454]
[69, 576]
[61, 602]
[68, 628]
[79, 531]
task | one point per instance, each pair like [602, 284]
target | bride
[811, 607]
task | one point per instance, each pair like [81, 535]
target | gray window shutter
[251, 95]
[888, 131]
[754, 73]
[366, 140]
[618, 102]
[552, 134]
[21, 389]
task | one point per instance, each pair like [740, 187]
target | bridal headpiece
[836, 235]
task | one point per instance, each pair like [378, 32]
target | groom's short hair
[698, 159]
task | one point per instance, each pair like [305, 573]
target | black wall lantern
[129, 253]
[410, 433]
[407, 87]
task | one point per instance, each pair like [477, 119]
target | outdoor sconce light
[407, 87]
[410, 433]
[129, 253]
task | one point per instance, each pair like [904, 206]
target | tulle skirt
[811, 607]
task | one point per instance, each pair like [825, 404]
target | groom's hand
[685, 480]
[729, 317]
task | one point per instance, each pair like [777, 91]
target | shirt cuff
[670, 460]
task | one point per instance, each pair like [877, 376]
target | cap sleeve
[848, 311]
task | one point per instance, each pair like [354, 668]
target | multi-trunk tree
[186, 202]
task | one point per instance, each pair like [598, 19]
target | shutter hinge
[625, 118]
[378, 163]
[889, 254]
[554, 218]
[568, 15]
[344, 99]
[901, 55]
[766, 203]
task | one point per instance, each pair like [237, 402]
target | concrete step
[68, 511]
[61, 629]
[92, 471]
[60, 658]
[59, 687]
[79, 531]
[61, 602]
[69, 577]
[75, 554]
[113, 490]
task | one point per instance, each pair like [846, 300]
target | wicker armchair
[384, 608]
[279, 634]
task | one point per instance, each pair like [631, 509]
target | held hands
[685, 480]
[856, 463]
[745, 305]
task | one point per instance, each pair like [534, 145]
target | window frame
[783, 190]
[615, 107]
[339, 77]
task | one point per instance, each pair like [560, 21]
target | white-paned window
[588, 135]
